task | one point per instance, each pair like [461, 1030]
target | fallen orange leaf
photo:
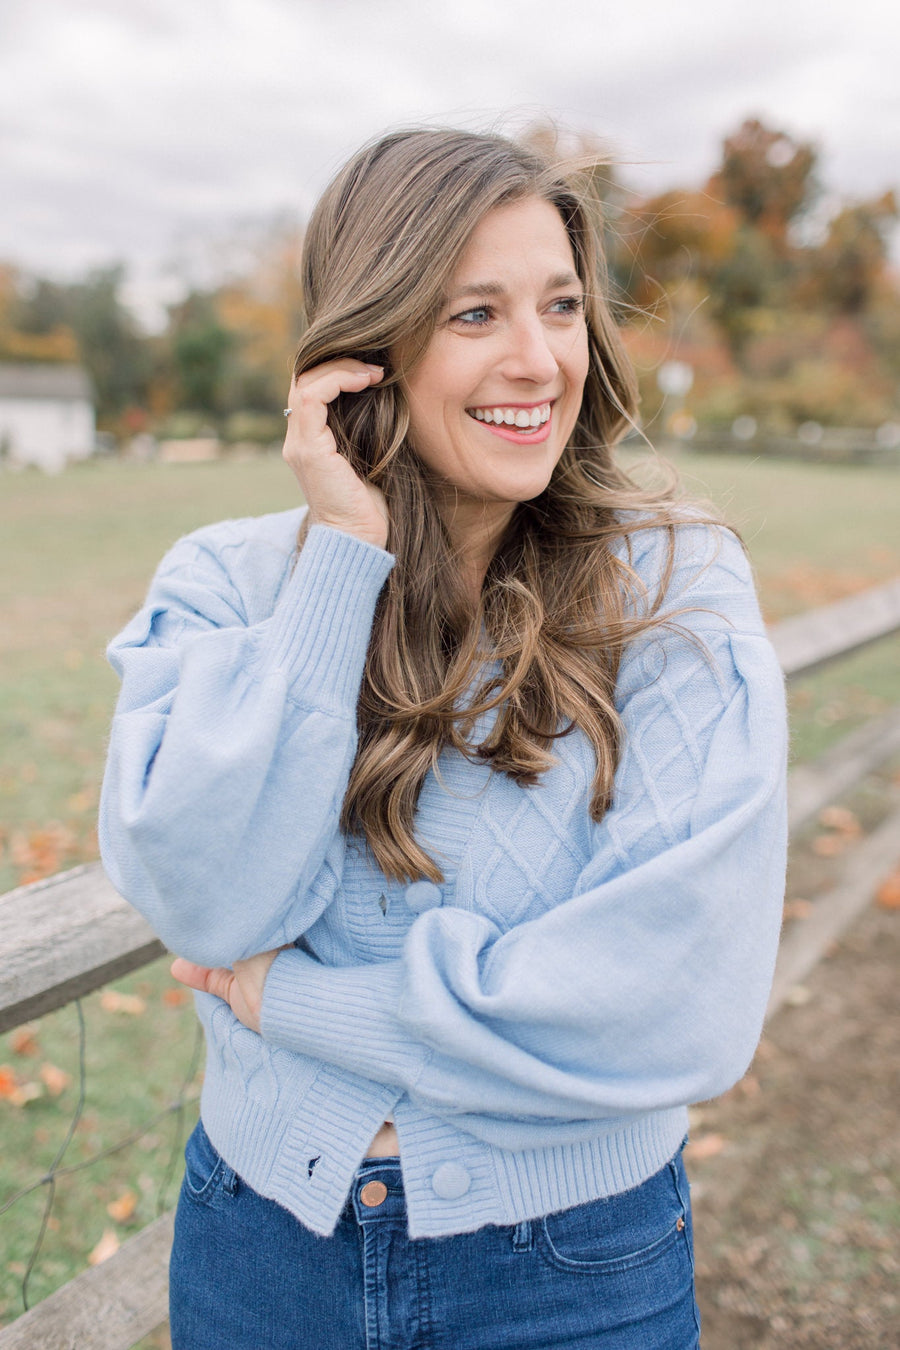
[40, 853]
[840, 818]
[25, 1093]
[888, 894]
[112, 1001]
[105, 1248]
[23, 1041]
[122, 1208]
[174, 998]
[80, 802]
[8, 1082]
[55, 1080]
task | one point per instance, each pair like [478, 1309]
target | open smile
[523, 420]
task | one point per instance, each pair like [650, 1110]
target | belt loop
[523, 1238]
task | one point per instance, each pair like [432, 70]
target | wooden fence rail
[66, 936]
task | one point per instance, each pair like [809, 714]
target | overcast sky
[128, 127]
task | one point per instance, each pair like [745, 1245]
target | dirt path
[796, 1173]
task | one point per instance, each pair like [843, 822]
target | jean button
[450, 1181]
[373, 1194]
[422, 895]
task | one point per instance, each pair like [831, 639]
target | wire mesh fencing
[96, 1101]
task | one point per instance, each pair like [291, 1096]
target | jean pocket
[620, 1232]
[206, 1174]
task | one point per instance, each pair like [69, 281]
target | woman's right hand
[335, 494]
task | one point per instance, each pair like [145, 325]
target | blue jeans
[614, 1274]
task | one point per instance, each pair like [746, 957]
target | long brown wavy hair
[543, 642]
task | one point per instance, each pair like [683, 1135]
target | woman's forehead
[523, 236]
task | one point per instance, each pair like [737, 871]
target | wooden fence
[71, 934]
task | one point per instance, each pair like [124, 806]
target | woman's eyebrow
[563, 279]
[477, 288]
[490, 288]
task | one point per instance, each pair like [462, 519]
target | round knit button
[373, 1194]
[422, 895]
[450, 1181]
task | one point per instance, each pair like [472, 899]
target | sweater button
[422, 895]
[450, 1181]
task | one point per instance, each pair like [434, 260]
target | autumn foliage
[779, 296]
[784, 310]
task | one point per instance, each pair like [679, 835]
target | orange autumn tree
[780, 312]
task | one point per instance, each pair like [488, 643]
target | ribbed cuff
[345, 1015]
[320, 630]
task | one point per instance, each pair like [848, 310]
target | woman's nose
[530, 356]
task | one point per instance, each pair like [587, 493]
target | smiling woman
[510, 353]
[460, 796]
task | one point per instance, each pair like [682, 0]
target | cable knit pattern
[542, 1018]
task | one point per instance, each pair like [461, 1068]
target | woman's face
[497, 393]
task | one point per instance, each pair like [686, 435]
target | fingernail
[379, 370]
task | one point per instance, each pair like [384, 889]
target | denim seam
[221, 1177]
[613, 1265]
[684, 1201]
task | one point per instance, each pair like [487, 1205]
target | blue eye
[569, 304]
[479, 314]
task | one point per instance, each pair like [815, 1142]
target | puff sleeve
[232, 743]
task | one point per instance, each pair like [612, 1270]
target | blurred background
[158, 163]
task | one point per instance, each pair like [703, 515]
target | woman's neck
[475, 533]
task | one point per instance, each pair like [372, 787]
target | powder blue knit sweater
[537, 1023]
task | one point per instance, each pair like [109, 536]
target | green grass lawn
[76, 554]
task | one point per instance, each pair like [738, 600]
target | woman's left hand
[241, 987]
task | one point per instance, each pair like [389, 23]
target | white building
[46, 415]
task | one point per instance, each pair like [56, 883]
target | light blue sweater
[536, 1024]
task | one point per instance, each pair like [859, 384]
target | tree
[674, 236]
[200, 347]
[768, 177]
[28, 333]
[84, 321]
[851, 263]
[112, 347]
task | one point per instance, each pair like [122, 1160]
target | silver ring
[288, 411]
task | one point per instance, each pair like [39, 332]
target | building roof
[45, 381]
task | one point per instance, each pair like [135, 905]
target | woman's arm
[647, 987]
[232, 743]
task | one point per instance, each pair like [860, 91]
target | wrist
[365, 532]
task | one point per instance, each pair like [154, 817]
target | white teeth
[523, 418]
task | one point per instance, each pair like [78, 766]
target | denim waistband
[376, 1195]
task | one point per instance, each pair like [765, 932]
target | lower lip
[513, 434]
